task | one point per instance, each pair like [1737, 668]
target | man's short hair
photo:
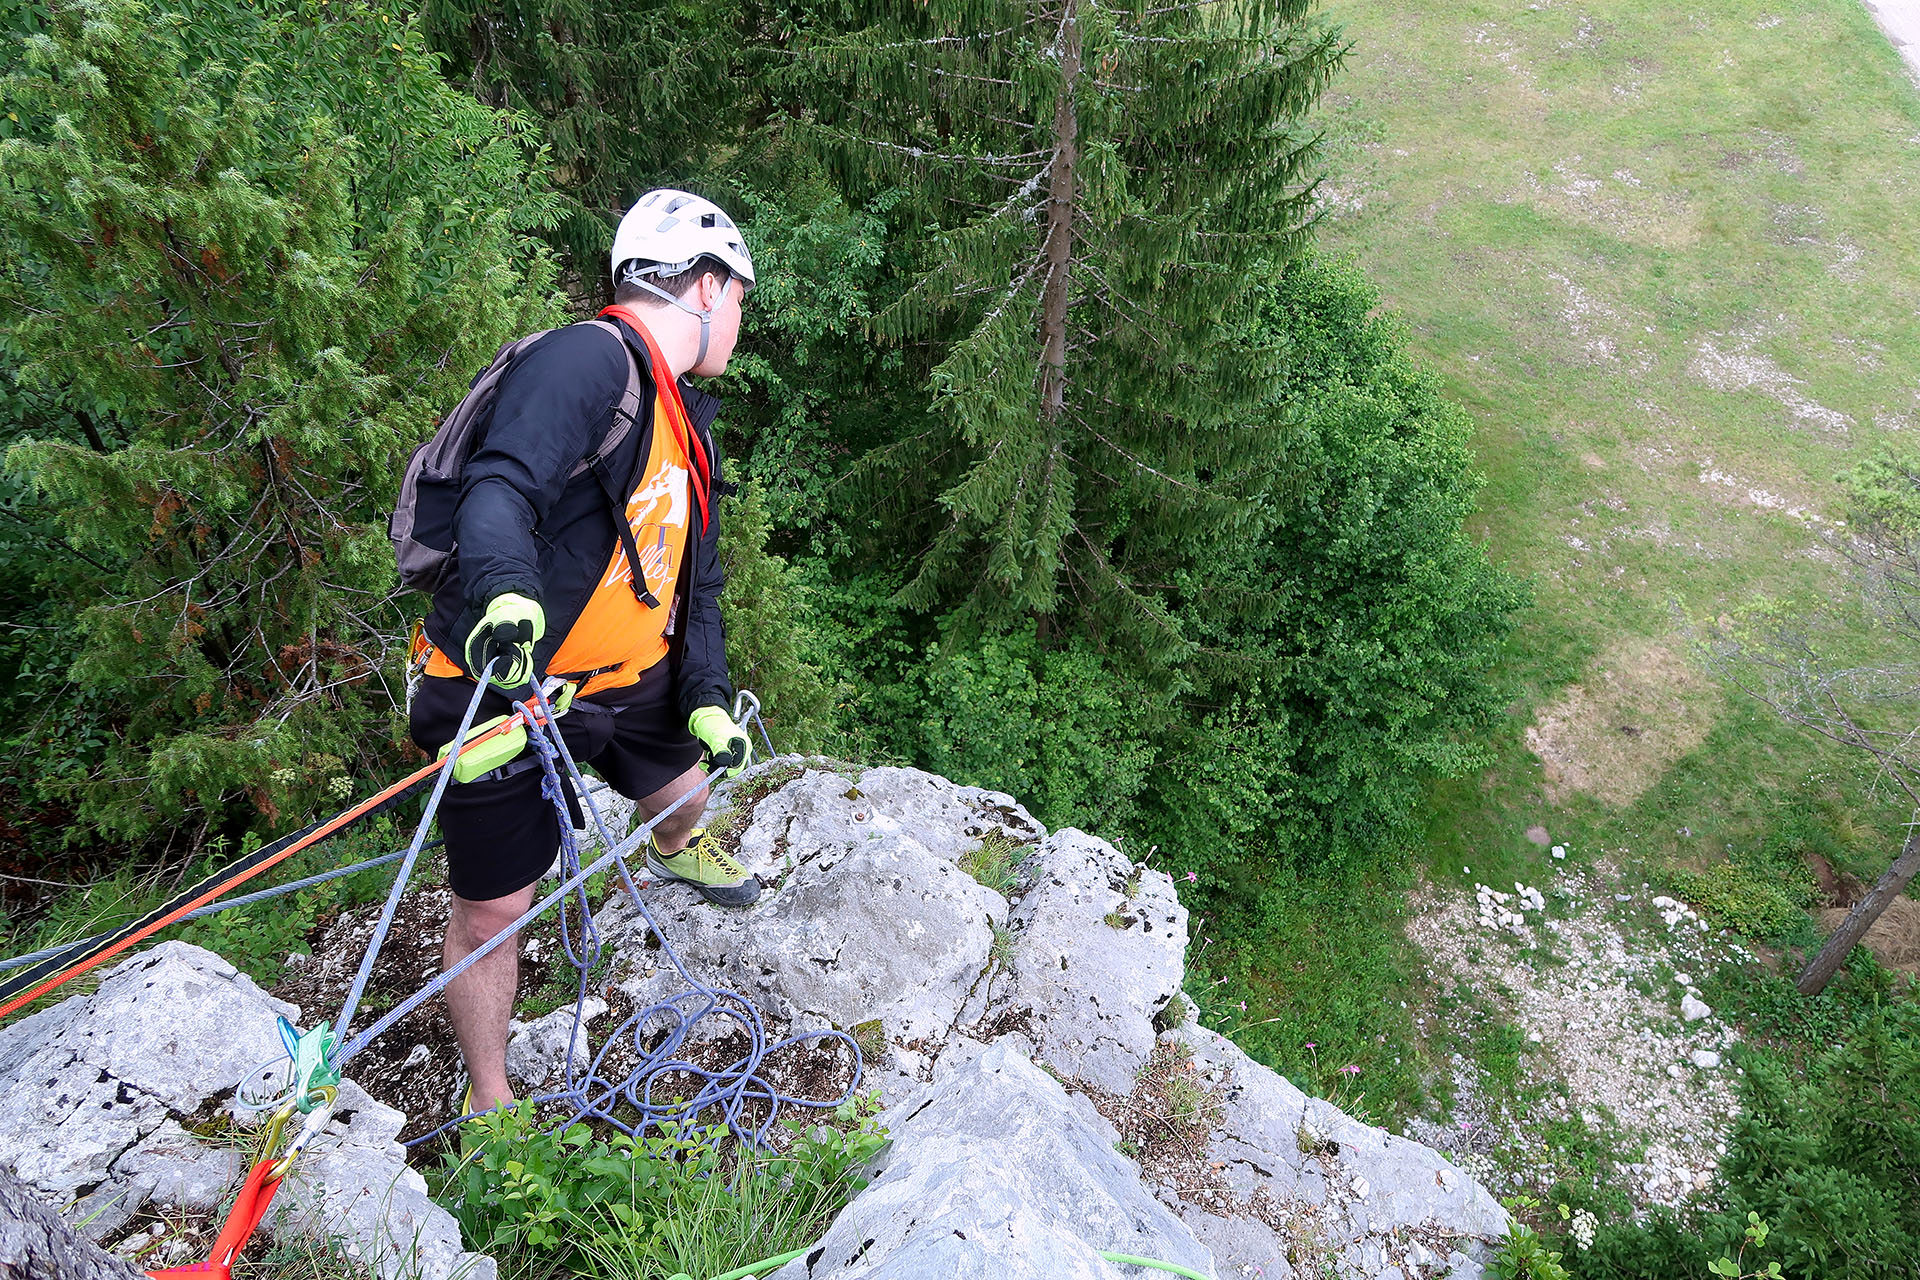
[626, 293]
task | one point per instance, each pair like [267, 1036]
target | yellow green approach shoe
[706, 866]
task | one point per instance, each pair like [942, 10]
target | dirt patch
[1837, 888]
[1166, 1125]
[1894, 938]
[415, 1065]
[1613, 735]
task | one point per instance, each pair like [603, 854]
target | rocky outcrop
[1014, 990]
[113, 1100]
[997, 1172]
[870, 926]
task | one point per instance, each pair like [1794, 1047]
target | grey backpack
[421, 527]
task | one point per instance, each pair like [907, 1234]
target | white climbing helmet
[666, 231]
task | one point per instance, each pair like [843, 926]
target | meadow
[1666, 260]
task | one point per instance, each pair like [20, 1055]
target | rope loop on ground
[653, 1094]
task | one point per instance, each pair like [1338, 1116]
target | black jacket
[522, 526]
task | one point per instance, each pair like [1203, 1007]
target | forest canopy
[1071, 468]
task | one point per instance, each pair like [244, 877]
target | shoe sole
[744, 894]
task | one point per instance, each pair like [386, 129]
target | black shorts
[501, 833]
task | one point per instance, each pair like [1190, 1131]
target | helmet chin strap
[705, 317]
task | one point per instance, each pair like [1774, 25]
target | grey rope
[379, 938]
[627, 1103]
[215, 908]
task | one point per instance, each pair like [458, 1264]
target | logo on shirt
[657, 514]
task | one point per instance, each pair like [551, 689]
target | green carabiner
[312, 1072]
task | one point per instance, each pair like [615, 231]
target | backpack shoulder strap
[626, 411]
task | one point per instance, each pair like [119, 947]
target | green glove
[487, 756]
[509, 629]
[728, 746]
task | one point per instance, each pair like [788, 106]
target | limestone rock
[86, 1080]
[1362, 1190]
[175, 1168]
[996, 1173]
[863, 922]
[368, 1197]
[1099, 950]
[93, 1093]
[1693, 1008]
[537, 1050]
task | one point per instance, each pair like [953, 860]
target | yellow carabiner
[275, 1128]
[321, 1103]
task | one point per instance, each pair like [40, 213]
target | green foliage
[1069, 286]
[1747, 899]
[1827, 1157]
[684, 1200]
[628, 96]
[1061, 728]
[1523, 1255]
[772, 643]
[254, 249]
[1350, 643]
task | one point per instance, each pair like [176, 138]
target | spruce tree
[631, 96]
[1089, 189]
[252, 252]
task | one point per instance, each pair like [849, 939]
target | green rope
[781, 1259]
[752, 1268]
[1174, 1267]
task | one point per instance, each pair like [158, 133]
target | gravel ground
[1595, 974]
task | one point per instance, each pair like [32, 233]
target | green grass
[1667, 261]
[1588, 216]
[1326, 976]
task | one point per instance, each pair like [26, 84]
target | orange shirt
[615, 628]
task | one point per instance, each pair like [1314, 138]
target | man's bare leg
[677, 827]
[480, 1001]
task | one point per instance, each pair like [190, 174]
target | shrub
[1828, 1157]
[683, 1200]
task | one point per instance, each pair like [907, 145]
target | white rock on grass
[1693, 1008]
[1705, 1059]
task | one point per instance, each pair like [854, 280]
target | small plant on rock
[995, 863]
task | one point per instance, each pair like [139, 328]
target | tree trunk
[1062, 192]
[36, 1245]
[1820, 970]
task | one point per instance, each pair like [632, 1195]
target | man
[548, 583]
